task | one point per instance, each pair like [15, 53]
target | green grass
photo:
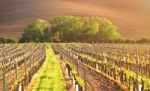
[50, 77]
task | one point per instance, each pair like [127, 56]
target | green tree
[72, 29]
[8, 40]
[36, 32]
[84, 29]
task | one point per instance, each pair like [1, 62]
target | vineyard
[90, 67]
[107, 67]
[19, 62]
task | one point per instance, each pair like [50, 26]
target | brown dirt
[131, 17]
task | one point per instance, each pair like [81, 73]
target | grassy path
[50, 77]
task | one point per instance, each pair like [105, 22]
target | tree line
[72, 29]
[8, 40]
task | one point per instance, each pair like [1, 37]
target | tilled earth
[131, 17]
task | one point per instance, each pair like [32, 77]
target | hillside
[132, 18]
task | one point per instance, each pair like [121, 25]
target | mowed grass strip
[50, 77]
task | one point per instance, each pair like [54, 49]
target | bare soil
[131, 17]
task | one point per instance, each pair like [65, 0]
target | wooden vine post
[25, 69]
[4, 75]
[16, 71]
[137, 72]
[85, 78]
[32, 58]
[77, 65]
